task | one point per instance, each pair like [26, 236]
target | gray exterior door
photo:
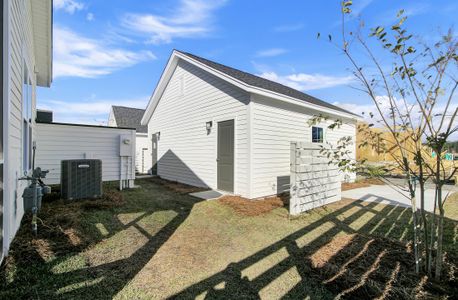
[154, 154]
[225, 157]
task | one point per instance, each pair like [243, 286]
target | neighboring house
[218, 127]
[121, 116]
[63, 141]
[26, 63]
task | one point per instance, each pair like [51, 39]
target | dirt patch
[177, 187]
[256, 207]
[356, 267]
[361, 183]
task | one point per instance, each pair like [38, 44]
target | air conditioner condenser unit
[81, 179]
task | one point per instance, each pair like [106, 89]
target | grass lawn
[155, 243]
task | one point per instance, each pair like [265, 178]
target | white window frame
[311, 135]
[27, 118]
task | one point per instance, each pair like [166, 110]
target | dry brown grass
[251, 208]
[361, 183]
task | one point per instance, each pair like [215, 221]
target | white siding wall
[274, 126]
[20, 44]
[59, 142]
[143, 153]
[185, 152]
[112, 119]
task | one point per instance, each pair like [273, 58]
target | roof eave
[42, 19]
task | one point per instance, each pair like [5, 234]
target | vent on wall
[44, 116]
[81, 179]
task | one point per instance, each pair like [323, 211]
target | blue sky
[113, 52]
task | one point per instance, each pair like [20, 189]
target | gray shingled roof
[129, 117]
[263, 83]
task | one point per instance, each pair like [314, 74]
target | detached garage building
[217, 127]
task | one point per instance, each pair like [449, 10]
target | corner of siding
[250, 146]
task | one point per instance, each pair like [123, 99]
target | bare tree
[414, 94]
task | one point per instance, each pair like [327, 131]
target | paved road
[388, 195]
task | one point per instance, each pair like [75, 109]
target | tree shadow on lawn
[35, 277]
[341, 263]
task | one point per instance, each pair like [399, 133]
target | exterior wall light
[209, 125]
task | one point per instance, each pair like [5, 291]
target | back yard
[158, 242]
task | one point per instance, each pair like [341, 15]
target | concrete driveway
[388, 195]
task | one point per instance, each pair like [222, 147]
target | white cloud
[289, 27]
[192, 18]
[90, 17]
[69, 6]
[305, 82]
[91, 111]
[271, 52]
[78, 56]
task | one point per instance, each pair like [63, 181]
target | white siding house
[26, 63]
[130, 117]
[225, 129]
[60, 141]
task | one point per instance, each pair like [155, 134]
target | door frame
[157, 135]
[214, 131]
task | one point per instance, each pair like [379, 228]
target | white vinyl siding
[20, 52]
[275, 124]
[186, 153]
[57, 142]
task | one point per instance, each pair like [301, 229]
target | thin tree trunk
[432, 236]
[413, 202]
[440, 234]
[415, 235]
[425, 222]
[440, 225]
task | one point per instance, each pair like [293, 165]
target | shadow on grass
[342, 263]
[35, 278]
[344, 260]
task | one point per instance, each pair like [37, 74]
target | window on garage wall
[26, 120]
[317, 134]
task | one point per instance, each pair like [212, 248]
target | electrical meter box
[126, 145]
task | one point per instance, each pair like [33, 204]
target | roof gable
[129, 117]
[263, 83]
[246, 81]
